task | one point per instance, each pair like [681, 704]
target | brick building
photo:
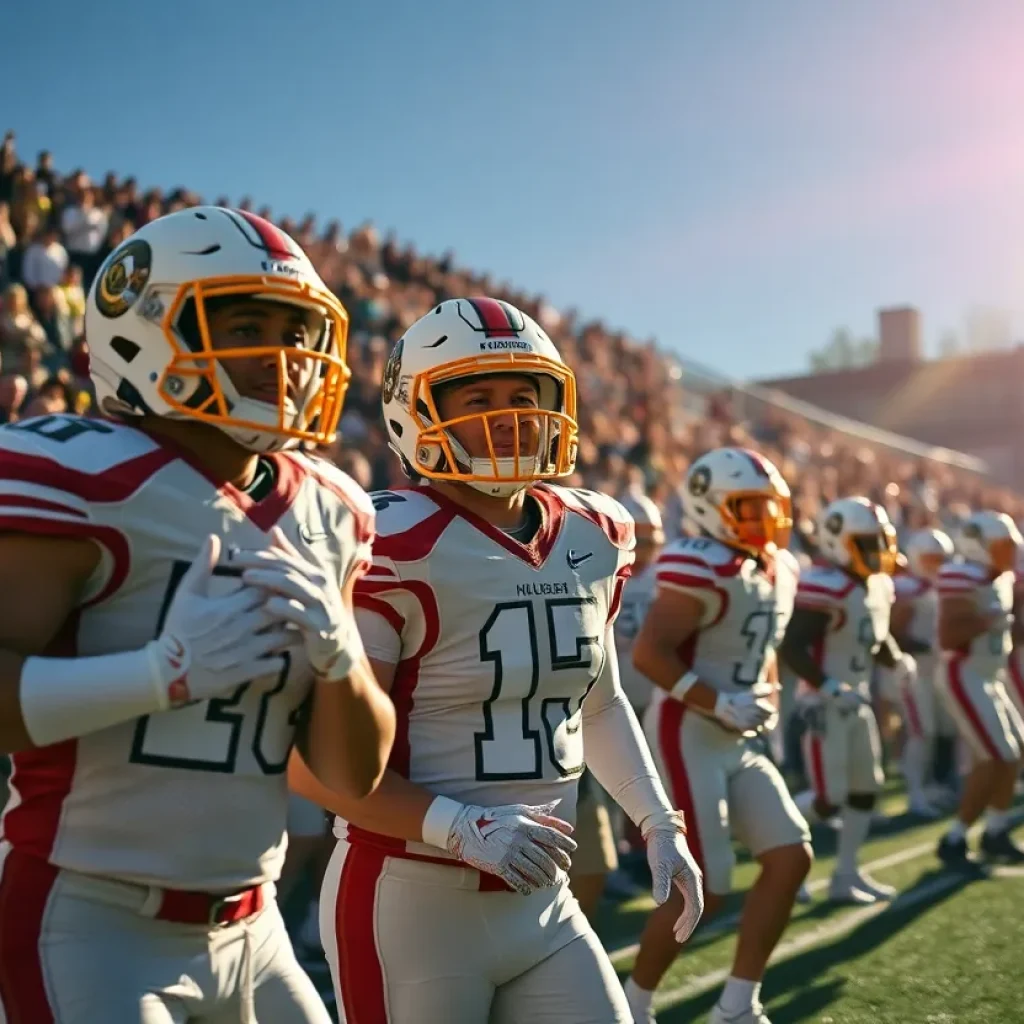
[972, 403]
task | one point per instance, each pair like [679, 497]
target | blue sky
[736, 178]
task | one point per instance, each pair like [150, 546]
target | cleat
[1001, 847]
[952, 852]
[924, 809]
[750, 1015]
[844, 890]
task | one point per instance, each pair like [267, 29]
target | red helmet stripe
[274, 240]
[757, 460]
[494, 316]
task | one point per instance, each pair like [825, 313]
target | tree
[843, 352]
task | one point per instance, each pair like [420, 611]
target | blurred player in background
[975, 628]
[915, 625]
[839, 629]
[707, 643]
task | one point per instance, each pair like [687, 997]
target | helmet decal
[123, 278]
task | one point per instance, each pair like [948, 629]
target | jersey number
[512, 747]
[206, 736]
[757, 631]
[61, 428]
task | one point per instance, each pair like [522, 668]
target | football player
[488, 612]
[914, 623]
[638, 594]
[150, 695]
[975, 622]
[1015, 664]
[707, 643]
[839, 629]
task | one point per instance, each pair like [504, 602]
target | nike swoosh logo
[575, 561]
[309, 536]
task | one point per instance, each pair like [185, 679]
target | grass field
[949, 950]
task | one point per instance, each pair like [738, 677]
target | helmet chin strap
[255, 411]
[486, 467]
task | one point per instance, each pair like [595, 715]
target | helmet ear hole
[125, 348]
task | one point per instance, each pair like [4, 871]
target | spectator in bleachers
[643, 419]
[45, 260]
[84, 225]
[54, 317]
[20, 330]
[8, 242]
[13, 390]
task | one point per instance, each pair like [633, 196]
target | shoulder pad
[343, 487]
[87, 445]
[401, 509]
[602, 510]
[961, 577]
[716, 556]
[91, 461]
[823, 586]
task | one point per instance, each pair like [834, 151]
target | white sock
[852, 834]
[805, 804]
[957, 831]
[996, 821]
[639, 999]
[915, 767]
[738, 995]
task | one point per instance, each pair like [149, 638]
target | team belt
[183, 907]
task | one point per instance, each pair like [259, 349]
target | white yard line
[816, 936]
[730, 921]
[1007, 871]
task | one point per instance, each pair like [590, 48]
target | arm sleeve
[381, 640]
[616, 750]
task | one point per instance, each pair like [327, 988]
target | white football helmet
[926, 552]
[464, 338]
[738, 497]
[648, 528]
[856, 534]
[149, 340]
[646, 517]
[990, 539]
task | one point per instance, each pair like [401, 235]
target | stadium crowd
[640, 424]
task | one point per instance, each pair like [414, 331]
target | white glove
[842, 695]
[672, 863]
[907, 667]
[746, 711]
[210, 645]
[523, 845]
[305, 594]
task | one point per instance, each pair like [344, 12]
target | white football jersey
[858, 611]
[747, 607]
[987, 653]
[497, 643]
[922, 597]
[193, 798]
[637, 596]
